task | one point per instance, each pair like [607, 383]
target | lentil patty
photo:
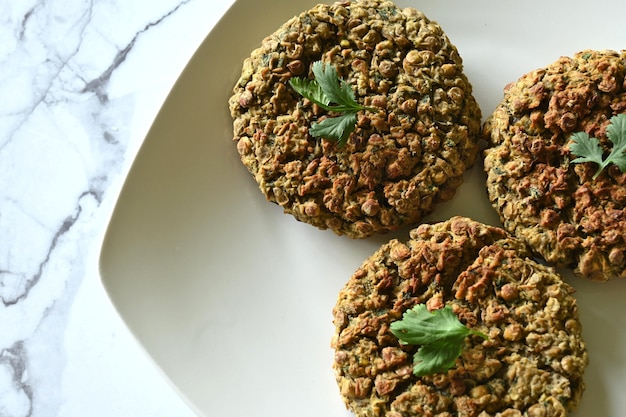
[555, 206]
[532, 363]
[401, 160]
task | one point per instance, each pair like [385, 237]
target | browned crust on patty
[532, 363]
[555, 206]
[403, 158]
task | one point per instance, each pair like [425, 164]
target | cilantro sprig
[588, 149]
[440, 335]
[334, 94]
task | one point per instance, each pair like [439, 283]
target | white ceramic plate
[232, 298]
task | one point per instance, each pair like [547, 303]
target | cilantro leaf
[440, 335]
[310, 89]
[337, 90]
[436, 357]
[325, 89]
[588, 149]
[337, 127]
[616, 132]
[421, 327]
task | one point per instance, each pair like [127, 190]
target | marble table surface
[80, 84]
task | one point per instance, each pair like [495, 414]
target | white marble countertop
[81, 82]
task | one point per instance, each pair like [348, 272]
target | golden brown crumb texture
[403, 158]
[532, 363]
[565, 216]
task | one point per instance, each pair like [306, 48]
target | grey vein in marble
[70, 138]
[18, 394]
[45, 98]
[98, 84]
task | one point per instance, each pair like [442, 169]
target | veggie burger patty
[531, 362]
[565, 214]
[407, 153]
